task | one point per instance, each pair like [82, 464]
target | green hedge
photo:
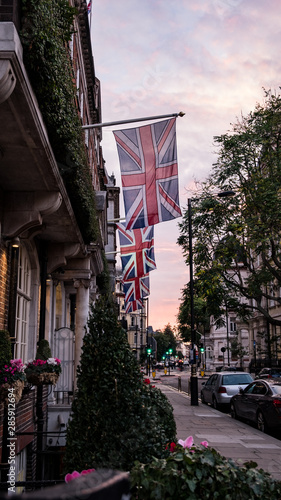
[201, 473]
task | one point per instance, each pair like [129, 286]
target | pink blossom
[69, 477]
[187, 443]
[205, 443]
[87, 471]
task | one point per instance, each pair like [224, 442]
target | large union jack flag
[134, 305]
[136, 288]
[137, 251]
[149, 171]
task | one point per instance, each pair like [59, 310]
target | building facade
[49, 267]
[135, 323]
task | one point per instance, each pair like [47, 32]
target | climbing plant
[47, 27]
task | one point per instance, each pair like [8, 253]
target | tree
[201, 315]
[165, 340]
[116, 418]
[238, 350]
[236, 241]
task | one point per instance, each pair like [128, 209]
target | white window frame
[23, 305]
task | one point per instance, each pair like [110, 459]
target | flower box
[12, 376]
[43, 372]
[43, 378]
[17, 387]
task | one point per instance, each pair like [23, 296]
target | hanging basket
[43, 378]
[17, 386]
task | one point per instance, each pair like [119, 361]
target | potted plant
[12, 374]
[44, 369]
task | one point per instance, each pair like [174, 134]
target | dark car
[220, 387]
[260, 403]
[269, 373]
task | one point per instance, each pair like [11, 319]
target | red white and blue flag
[136, 288]
[149, 171]
[134, 306]
[137, 251]
[89, 6]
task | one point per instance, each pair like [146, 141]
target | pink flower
[205, 443]
[87, 471]
[69, 477]
[187, 443]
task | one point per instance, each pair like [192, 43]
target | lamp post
[193, 374]
[227, 333]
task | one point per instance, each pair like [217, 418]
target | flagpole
[147, 118]
[116, 220]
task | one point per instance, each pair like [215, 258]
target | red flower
[172, 447]
[147, 381]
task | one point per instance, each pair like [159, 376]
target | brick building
[50, 262]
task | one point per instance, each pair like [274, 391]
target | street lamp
[193, 374]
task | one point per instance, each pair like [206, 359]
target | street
[179, 380]
[231, 438]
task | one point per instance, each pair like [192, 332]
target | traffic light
[148, 350]
[202, 348]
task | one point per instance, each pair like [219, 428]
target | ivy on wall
[47, 26]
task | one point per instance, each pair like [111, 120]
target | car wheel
[233, 411]
[261, 422]
[203, 400]
[215, 403]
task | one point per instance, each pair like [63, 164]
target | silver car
[220, 387]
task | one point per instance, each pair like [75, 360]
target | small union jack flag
[134, 306]
[137, 251]
[89, 6]
[149, 171]
[136, 288]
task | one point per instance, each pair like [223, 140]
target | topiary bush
[5, 348]
[200, 473]
[43, 350]
[116, 418]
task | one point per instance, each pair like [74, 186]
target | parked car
[269, 373]
[232, 369]
[259, 402]
[220, 387]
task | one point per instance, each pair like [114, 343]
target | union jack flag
[134, 306]
[149, 171]
[136, 288]
[137, 251]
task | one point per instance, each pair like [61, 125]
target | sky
[211, 59]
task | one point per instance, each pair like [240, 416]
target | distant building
[135, 323]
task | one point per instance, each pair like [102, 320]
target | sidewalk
[231, 438]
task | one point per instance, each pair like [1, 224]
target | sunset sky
[208, 58]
